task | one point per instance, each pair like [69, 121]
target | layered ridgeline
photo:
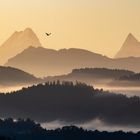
[130, 48]
[14, 77]
[16, 43]
[47, 62]
[96, 76]
[71, 103]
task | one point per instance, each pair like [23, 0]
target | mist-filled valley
[68, 87]
[69, 70]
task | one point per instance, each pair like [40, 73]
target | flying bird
[48, 34]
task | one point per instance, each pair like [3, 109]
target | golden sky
[97, 25]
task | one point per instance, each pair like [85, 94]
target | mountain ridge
[44, 62]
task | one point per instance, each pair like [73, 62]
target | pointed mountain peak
[131, 38]
[17, 42]
[130, 48]
[130, 35]
[28, 30]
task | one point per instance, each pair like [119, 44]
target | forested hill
[77, 103]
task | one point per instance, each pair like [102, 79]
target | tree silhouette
[27, 129]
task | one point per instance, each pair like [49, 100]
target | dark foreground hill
[47, 62]
[14, 77]
[96, 76]
[72, 103]
[29, 130]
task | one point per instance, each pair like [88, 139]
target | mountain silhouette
[13, 77]
[131, 47]
[42, 62]
[48, 62]
[16, 43]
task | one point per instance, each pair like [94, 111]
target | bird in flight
[48, 34]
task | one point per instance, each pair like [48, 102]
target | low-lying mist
[95, 124]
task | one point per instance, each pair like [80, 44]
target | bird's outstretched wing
[48, 34]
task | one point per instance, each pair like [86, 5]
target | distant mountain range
[14, 77]
[17, 43]
[131, 47]
[47, 62]
[23, 51]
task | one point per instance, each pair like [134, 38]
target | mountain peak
[130, 48]
[131, 38]
[17, 42]
[28, 30]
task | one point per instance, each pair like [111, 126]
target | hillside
[14, 77]
[71, 103]
[96, 76]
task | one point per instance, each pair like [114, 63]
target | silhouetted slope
[102, 72]
[29, 130]
[68, 102]
[21, 129]
[92, 75]
[131, 47]
[16, 43]
[13, 77]
[46, 62]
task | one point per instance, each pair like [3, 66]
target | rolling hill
[70, 103]
[14, 77]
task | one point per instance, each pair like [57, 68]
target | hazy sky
[97, 25]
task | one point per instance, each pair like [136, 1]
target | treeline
[29, 130]
[76, 103]
[103, 72]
